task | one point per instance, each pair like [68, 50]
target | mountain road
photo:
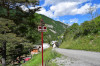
[80, 57]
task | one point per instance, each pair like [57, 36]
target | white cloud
[58, 19]
[44, 12]
[98, 6]
[55, 2]
[75, 20]
[83, 9]
[66, 7]
[24, 8]
[63, 21]
[72, 21]
[70, 8]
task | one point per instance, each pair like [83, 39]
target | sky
[70, 11]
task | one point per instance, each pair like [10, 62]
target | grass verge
[89, 43]
[37, 60]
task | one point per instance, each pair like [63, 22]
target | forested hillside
[54, 28]
[85, 36]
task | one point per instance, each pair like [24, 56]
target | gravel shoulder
[77, 58]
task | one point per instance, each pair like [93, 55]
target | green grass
[37, 60]
[89, 43]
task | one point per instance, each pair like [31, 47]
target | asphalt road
[80, 57]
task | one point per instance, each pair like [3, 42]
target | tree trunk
[3, 2]
[8, 10]
[4, 54]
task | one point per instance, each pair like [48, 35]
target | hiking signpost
[42, 28]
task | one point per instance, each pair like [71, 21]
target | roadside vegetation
[83, 37]
[48, 55]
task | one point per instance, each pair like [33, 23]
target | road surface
[79, 57]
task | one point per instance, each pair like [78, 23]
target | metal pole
[42, 46]
[41, 22]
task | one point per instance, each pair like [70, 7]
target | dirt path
[78, 58]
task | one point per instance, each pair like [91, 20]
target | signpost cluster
[42, 28]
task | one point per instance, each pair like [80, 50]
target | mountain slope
[54, 28]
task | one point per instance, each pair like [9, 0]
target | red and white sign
[42, 29]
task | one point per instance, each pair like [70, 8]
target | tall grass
[89, 43]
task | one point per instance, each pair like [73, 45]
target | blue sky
[70, 11]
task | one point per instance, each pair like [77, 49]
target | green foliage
[16, 46]
[20, 32]
[88, 27]
[3, 12]
[26, 27]
[26, 24]
[84, 36]
[89, 43]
